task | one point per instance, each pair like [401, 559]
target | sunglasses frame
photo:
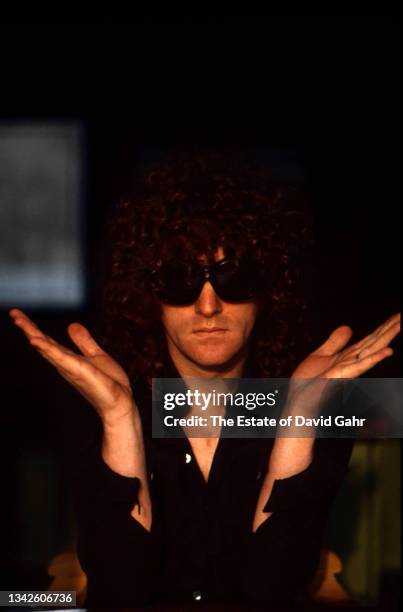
[209, 276]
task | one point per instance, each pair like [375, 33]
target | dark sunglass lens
[236, 281]
[178, 283]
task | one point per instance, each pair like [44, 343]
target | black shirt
[201, 547]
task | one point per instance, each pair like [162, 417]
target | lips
[210, 331]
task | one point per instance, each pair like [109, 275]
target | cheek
[244, 318]
[174, 319]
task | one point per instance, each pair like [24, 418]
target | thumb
[335, 342]
[83, 340]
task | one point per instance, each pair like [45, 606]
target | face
[210, 333]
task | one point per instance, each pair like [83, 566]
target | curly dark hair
[187, 205]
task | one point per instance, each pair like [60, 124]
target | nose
[208, 303]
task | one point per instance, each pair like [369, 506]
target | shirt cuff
[97, 485]
[114, 489]
[288, 493]
[318, 483]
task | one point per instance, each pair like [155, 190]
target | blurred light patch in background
[41, 254]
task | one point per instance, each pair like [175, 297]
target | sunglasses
[179, 283]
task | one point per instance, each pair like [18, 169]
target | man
[202, 285]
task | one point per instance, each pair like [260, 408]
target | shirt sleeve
[283, 553]
[115, 551]
[318, 482]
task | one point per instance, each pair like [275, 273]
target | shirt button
[196, 595]
[259, 475]
[188, 458]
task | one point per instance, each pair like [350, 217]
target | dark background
[321, 91]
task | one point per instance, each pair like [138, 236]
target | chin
[214, 357]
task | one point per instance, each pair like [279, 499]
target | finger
[355, 368]
[380, 341]
[16, 312]
[396, 318]
[335, 342]
[57, 354]
[83, 340]
[358, 347]
[69, 365]
[93, 385]
[26, 325]
[31, 330]
[393, 320]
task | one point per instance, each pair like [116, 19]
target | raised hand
[92, 371]
[336, 359]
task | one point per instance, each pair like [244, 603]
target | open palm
[336, 359]
[97, 376]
